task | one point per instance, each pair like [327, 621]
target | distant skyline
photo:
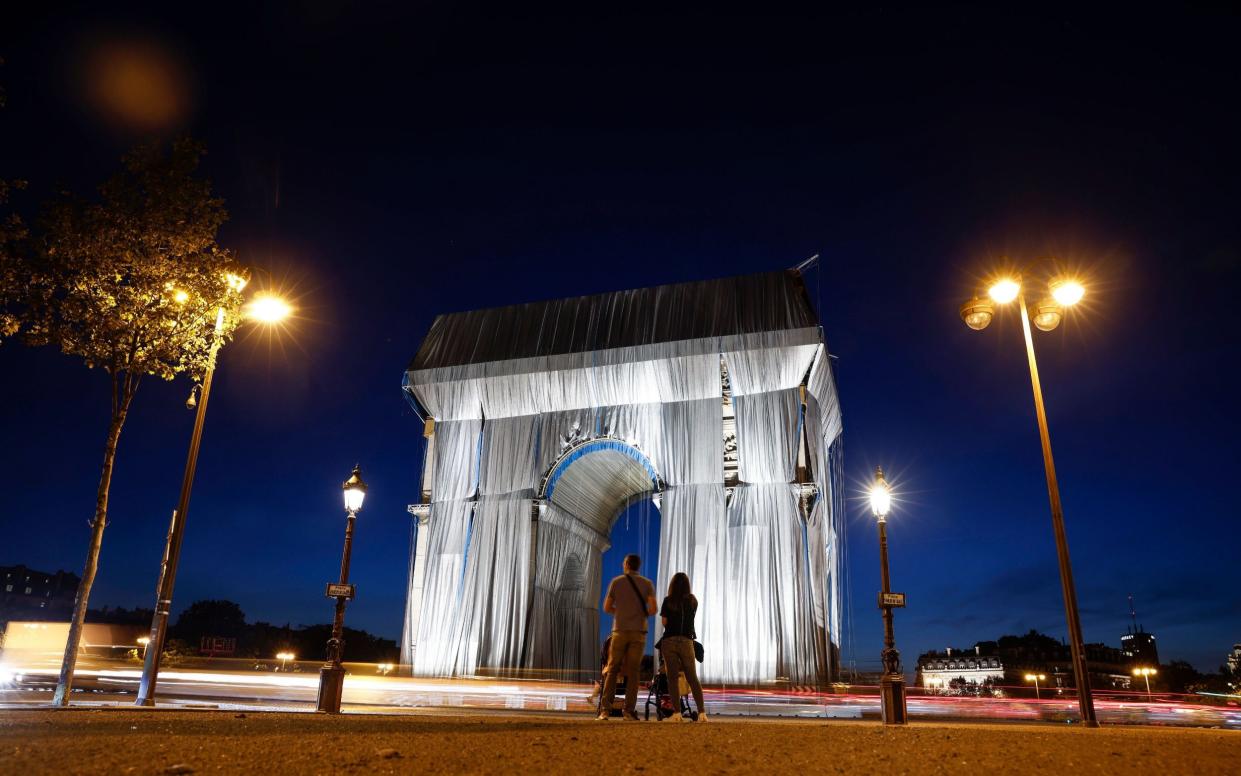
[386, 166]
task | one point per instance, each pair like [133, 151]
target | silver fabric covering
[551, 418]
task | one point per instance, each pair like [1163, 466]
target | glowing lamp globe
[355, 491]
[1047, 315]
[1067, 292]
[1004, 291]
[268, 309]
[977, 313]
[880, 496]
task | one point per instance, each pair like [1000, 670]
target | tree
[132, 282]
[1180, 677]
[210, 618]
[120, 615]
[13, 235]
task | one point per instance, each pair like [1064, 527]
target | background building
[938, 670]
[1005, 663]
[1138, 647]
[27, 594]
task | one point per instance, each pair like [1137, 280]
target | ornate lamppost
[892, 685]
[1063, 293]
[332, 675]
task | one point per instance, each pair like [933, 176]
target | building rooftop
[747, 304]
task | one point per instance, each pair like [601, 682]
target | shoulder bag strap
[637, 592]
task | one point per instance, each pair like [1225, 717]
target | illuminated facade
[1138, 647]
[938, 670]
[545, 421]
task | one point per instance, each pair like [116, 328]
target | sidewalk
[165, 742]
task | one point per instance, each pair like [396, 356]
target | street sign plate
[891, 599]
[335, 590]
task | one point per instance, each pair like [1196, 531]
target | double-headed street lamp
[332, 675]
[1063, 293]
[892, 684]
[1036, 678]
[264, 309]
[1146, 673]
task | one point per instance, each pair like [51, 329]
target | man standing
[630, 601]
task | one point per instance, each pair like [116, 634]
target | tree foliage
[13, 235]
[263, 640]
[132, 282]
[13, 238]
[210, 618]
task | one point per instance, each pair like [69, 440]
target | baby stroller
[665, 703]
[616, 704]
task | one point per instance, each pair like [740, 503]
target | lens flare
[880, 496]
[268, 309]
[1067, 292]
[1004, 291]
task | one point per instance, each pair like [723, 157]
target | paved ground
[168, 742]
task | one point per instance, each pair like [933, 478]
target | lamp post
[266, 309]
[284, 658]
[143, 641]
[332, 675]
[892, 685]
[1036, 678]
[1146, 673]
[977, 313]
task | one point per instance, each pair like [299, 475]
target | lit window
[27, 591]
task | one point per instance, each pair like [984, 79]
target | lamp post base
[892, 699]
[331, 686]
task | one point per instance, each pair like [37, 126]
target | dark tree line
[258, 640]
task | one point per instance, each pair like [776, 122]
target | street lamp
[1064, 292]
[176, 531]
[284, 658]
[892, 684]
[143, 641]
[332, 675]
[1036, 678]
[1146, 674]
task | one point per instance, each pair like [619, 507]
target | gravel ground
[170, 742]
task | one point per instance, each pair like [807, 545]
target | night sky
[385, 167]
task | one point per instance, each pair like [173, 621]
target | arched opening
[598, 508]
[636, 530]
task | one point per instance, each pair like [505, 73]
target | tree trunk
[65, 685]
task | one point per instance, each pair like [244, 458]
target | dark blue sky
[389, 166]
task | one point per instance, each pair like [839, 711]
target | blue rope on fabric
[595, 447]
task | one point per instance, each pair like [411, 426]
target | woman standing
[677, 643]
